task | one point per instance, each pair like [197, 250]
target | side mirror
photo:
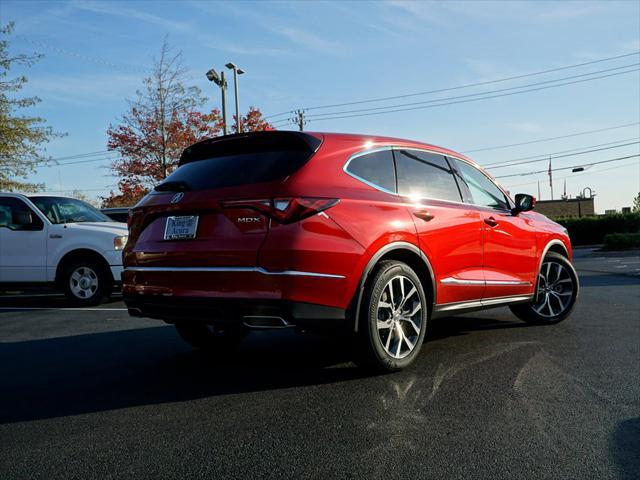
[524, 203]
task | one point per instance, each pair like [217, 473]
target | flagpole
[550, 178]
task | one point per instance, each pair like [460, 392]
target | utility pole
[224, 103]
[539, 196]
[299, 119]
[236, 71]
[219, 80]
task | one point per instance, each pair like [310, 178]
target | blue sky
[304, 54]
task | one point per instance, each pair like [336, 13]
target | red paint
[460, 241]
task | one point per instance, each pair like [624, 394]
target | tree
[161, 122]
[636, 203]
[21, 136]
[253, 121]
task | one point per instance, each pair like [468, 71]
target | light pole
[219, 80]
[236, 71]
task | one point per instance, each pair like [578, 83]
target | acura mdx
[375, 236]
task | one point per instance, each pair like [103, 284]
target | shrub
[592, 230]
[621, 241]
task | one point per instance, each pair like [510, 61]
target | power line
[476, 94]
[77, 162]
[547, 155]
[484, 149]
[562, 156]
[476, 84]
[578, 174]
[85, 58]
[569, 168]
[473, 99]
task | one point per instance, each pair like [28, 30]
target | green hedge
[621, 241]
[592, 230]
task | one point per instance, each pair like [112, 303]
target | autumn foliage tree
[22, 136]
[161, 122]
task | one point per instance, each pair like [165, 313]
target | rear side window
[425, 175]
[483, 191]
[375, 168]
[232, 170]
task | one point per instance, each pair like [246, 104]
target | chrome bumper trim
[295, 273]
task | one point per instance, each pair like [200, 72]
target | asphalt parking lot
[95, 394]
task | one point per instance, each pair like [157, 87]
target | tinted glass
[14, 214]
[483, 191]
[376, 168]
[231, 170]
[68, 210]
[423, 174]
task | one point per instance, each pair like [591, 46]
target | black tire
[210, 337]
[548, 306]
[381, 349]
[79, 270]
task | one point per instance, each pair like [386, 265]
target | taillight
[285, 210]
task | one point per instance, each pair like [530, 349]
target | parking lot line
[67, 309]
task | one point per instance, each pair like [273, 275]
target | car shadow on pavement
[79, 374]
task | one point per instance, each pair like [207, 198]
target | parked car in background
[61, 242]
[375, 235]
[117, 214]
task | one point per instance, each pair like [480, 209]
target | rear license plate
[181, 228]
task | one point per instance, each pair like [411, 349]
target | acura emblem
[177, 197]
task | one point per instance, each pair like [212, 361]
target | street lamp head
[230, 66]
[240, 71]
[213, 76]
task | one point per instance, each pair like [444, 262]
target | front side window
[68, 210]
[375, 168]
[482, 190]
[16, 215]
[425, 175]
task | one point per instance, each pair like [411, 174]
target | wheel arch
[404, 252]
[81, 253]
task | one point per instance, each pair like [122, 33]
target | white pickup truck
[60, 241]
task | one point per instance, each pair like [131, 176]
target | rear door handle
[492, 222]
[55, 235]
[423, 215]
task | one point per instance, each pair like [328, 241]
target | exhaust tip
[265, 321]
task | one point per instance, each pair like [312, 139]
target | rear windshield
[231, 170]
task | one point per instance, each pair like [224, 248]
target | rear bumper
[229, 310]
[249, 283]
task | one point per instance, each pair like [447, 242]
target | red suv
[315, 230]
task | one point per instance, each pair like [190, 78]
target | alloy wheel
[399, 316]
[555, 290]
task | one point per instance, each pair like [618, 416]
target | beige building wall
[572, 207]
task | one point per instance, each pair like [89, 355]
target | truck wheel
[85, 282]
[393, 320]
[556, 293]
[210, 337]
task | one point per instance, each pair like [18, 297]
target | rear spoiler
[253, 142]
